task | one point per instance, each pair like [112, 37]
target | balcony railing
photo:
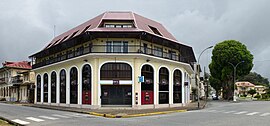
[3, 80]
[120, 49]
[17, 80]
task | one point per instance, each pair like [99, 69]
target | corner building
[101, 62]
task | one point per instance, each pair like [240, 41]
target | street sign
[141, 79]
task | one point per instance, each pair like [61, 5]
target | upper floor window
[157, 51]
[118, 25]
[117, 46]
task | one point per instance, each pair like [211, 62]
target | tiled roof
[141, 24]
[22, 64]
[244, 84]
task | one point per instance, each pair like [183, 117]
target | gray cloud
[26, 27]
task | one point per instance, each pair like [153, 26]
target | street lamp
[198, 70]
[234, 76]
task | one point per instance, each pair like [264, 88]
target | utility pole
[197, 72]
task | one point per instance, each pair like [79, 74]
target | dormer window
[109, 26]
[155, 30]
[118, 25]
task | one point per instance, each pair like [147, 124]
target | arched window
[86, 84]
[147, 87]
[163, 85]
[38, 88]
[177, 86]
[62, 86]
[53, 87]
[73, 85]
[116, 71]
[45, 87]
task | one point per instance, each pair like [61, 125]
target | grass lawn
[4, 123]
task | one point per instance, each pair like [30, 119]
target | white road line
[82, 115]
[253, 113]
[229, 112]
[73, 115]
[265, 114]
[241, 112]
[34, 119]
[61, 116]
[20, 121]
[47, 117]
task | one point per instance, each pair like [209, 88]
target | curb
[10, 122]
[134, 115]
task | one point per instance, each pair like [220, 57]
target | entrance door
[116, 95]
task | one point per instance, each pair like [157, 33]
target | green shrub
[265, 96]
[257, 96]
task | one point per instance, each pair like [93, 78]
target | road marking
[229, 112]
[47, 117]
[61, 116]
[241, 112]
[34, 119]
[82, 115]
[20, 121]
[253, 113]
[265, 114]
[73, 115]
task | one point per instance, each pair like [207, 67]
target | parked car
[215, 97]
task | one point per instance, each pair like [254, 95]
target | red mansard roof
[141, 24]
[22, 64]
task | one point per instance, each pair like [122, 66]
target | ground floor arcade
[95, 82]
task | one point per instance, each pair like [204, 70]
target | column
[68, 87]
[49, 88]
[79, 86]
[171, 87]
[58, 87]
[183, 87]
[41, 99]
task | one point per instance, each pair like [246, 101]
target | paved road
[216, 114]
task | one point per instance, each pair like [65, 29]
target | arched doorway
[53, 87]
[86, 84]
[147, 87]
[177, 86]
[45, 87]
[73, 85]
[116, 86]
[163, 86]
[38, 88]
[63, 86]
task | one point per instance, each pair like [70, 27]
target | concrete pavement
[217, 114]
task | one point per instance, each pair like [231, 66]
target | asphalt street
[216, 114]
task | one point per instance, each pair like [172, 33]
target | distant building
[260, 89]
[17, 82]
[244, 87]
[114, 59]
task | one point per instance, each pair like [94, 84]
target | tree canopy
[224, 53]
[255, 78]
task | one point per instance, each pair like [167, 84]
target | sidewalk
[121, 112]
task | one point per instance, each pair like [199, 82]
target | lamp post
[234, 77]
[198, 71]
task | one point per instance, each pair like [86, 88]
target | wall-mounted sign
[141, 79]
[115, 82]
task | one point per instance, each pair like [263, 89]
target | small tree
[252, 92]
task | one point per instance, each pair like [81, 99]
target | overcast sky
[27, 26]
